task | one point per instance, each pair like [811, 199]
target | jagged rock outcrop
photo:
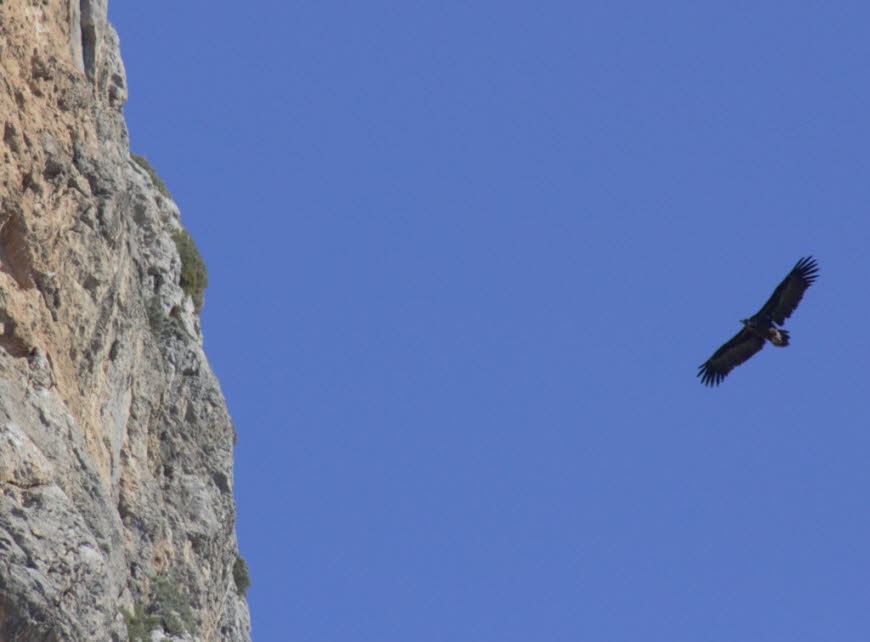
[116, 507]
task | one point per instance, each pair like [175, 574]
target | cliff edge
[117, 518]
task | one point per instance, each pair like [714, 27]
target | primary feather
[788, 294]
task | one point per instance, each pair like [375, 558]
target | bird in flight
[762, 326]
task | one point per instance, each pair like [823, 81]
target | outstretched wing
[788, 294]
[742, 345]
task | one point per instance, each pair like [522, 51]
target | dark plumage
[762, 326]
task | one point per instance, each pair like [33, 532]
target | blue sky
[465, 259]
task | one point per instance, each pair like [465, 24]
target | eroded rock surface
[115, 442]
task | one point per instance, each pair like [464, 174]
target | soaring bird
[762, 326]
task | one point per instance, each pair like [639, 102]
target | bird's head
[745, 322]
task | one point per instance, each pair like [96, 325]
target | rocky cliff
[116, 500]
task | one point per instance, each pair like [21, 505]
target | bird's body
[762, 326]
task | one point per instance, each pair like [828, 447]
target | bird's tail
[778, 337]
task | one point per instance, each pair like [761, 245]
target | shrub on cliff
[142, 162]
[194, 277]
[172, 608]
[139, 624]
[240, 575]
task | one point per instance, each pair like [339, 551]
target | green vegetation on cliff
[194, 277]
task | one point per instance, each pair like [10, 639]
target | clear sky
[465, 259]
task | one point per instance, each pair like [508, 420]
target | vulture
[762, 326]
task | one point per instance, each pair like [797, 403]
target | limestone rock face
[116, 507]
